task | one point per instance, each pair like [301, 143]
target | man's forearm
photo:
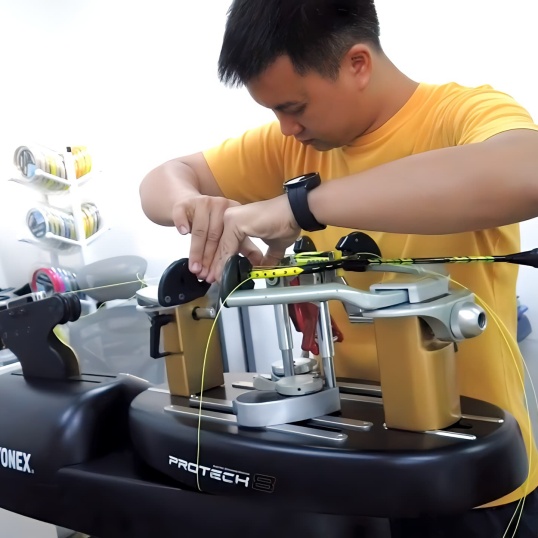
[163, 187]
[452, 190]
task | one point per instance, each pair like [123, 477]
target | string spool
[35, 161]
[54, 280]
[91, 218]
[52, 220]
[31, 161]
[82, 160]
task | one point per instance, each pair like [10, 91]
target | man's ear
[357, 63]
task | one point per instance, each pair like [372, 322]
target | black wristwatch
[297, 190]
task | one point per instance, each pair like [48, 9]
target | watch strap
[298, 199]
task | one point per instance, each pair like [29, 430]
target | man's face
[317, 111]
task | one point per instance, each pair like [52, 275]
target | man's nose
[289, 126]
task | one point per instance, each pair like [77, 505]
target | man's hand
[270, 220]
[202, 216]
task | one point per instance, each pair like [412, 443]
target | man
[426, 170]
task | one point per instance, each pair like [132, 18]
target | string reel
[35, 162]
[52, 280]
[45, 220]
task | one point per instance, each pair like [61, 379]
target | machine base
[335, 482]
[370, 471]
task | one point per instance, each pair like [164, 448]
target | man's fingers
[214, 232]
[273, 256]
[181, 221]
[251, 251]
[230, 243]
[206, 230]
[199, 229]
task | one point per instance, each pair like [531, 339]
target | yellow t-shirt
[254, 166]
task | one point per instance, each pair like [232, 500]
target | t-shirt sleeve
[484, 112]
[250, 168]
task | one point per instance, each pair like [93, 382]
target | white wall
[136, 82]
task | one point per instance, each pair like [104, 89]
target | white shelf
[34, 182]
[50, 188]
[48, 239]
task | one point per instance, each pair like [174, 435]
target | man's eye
[297, 111]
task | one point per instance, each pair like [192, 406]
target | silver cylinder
[326, 345]
[467, 320]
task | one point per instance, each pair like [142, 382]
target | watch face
[300, 179]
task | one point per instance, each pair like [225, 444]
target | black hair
[314, 34]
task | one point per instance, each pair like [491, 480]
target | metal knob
[467, 320]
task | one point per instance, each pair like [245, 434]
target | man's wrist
[298, 190]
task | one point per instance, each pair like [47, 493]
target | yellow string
[112, 285]
[213, 325]
[141, 280]
[507, 337]
[506, 334]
